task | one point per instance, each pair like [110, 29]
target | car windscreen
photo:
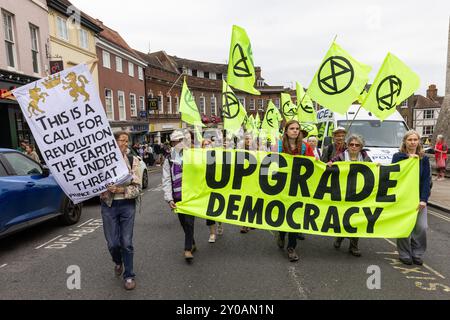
[386, 134]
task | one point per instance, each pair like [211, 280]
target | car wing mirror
[45, 171]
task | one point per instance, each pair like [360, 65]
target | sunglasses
[354, 145]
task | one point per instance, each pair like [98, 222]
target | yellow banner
[300, 194]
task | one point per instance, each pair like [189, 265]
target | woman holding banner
[412, 249]
[171, 182]
[293, 144]
[118, 211]
[353, 152]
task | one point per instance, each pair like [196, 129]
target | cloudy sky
[289, 38]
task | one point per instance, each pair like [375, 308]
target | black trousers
[187, 222]
[292, 238]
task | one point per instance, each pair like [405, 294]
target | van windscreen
[386, 134]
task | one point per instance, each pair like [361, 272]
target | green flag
[232, 111]
[188, 107]
[305, 109]
[241, 71]
[258, 121]
[362, 96]
[394, 83]
[311, 128]
[272, 118]
[339, 80]
[288, 108]
[248, 124]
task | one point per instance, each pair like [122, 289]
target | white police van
[382, 138]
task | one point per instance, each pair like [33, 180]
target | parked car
[29, 194]
[143, 168]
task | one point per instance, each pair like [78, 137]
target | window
[277, 103]
[34, 32]
[206, 74]
[9, 39]
[109, 105]
[428, 130]
[106, 59]
[202, 105]
[141, 73]
[194, 73]
[252, 105]
[22, 165]
[61, 29]
[169, 104]
[260, 83]
[213, 76]
[130, 69]
[160, 103]
[213, 106]
[428, 114]
[122, 112]
[84, 39]
[242, 101]
[219, 76]
[260, 104]
[200, 74]
[177, 105]
[142, 103]
[119, 64]
[133, 105]
[404, 104]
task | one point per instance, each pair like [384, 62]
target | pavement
[440, 195]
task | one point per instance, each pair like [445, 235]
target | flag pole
[351, 122]
[175, 83]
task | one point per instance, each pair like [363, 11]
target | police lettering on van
[383, 138]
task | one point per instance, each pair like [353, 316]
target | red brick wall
[111, 79]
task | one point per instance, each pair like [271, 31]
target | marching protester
[337, 147]
[29, 151]
[207, 143]
[293, 144]
[118, 208]
[412, 249]
[353, 152]
[440, 153]
[171, 181]
[248, 144]
[312, 141]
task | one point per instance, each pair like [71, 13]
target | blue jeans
[118, 224]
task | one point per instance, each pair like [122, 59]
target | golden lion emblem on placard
[75, 89]
[35, 97]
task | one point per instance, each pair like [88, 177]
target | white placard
[69, 124]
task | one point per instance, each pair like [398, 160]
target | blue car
[29, 194]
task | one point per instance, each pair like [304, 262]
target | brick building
[422, 112]
[24, 34]
[164, 78]
[121, 84]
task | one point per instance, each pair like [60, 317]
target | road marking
[298, 283]
[425, 265]
[3, 265]
[85, 223]
[440, 216]
[49, 241]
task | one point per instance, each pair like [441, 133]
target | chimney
[432, 92]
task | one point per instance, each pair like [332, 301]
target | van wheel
[71, 212]
[145, 179]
